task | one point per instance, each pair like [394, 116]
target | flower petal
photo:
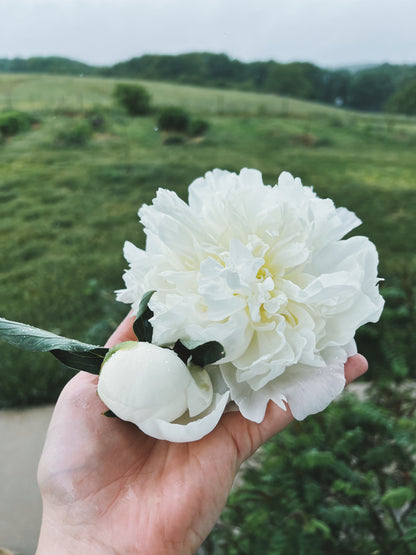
[264, 271]
[306, 389]
[187, 429]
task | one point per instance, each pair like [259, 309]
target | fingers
[277, 419]
[124, 332]
[355, 367]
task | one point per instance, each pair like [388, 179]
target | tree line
[384, 87]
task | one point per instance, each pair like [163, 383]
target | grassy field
[66, 211]
[46, 92]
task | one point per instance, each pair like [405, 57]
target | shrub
[133, 98]
[13, 122]
[96, 117]
[174, 119]
[73, 133]
[198, 127]
[388, 344]
[340, 482]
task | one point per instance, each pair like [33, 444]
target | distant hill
[353, 68]
[50, 64]
[367, 88]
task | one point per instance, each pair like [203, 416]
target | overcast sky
[329, 33]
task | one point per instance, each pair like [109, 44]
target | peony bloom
[264, 271]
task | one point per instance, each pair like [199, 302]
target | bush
[97, 118]
[133, 98]
[73, 133]
[174, 119]
[13, 122]
[387, 344]
[198, 127]
[341, 482]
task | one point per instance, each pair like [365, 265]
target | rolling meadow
[70, 188]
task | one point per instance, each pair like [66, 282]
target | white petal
[306, 389]
[187, 429]
[264, 271]
[199, 392]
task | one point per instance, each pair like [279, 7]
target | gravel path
[22, 434]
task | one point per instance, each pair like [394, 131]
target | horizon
[350, 67]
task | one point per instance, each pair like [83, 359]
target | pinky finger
[355, 367]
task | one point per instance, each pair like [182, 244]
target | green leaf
[110, 414]
[142, 327]
[89, 361]
[410, 534]
[183, 352]
[315, 525]
[72, 353]
[397, 497]
[202, 354]
[207, 353]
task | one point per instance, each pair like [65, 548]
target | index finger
[124, 332]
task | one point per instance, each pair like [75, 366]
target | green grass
[35, 92]
[65, 212]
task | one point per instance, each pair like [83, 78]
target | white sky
[326, 32]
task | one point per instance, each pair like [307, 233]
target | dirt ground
[22, 434]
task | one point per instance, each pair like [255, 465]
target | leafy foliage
[72, 353]
[45, 64]
[403, 100]
[386, 342]
[142, 327]
[200, 354]
[133, 98]
[173, 118]
[73, 133]
[13, 122]
[366, 89]
[369, 90]
[341, 482]
[198, 127]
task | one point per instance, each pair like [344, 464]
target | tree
[289, 79]
[403, 100]
[370, 89]
[336, 85]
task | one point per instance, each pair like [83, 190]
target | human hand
[108, 488]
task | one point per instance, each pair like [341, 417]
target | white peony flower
[151, 387]
[264, 271]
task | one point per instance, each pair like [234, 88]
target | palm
[135, 491]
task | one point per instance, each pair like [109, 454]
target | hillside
[70, 188]
[368, 88]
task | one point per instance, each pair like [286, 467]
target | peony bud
[140, 381]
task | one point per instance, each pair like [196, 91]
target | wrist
[58, 538]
